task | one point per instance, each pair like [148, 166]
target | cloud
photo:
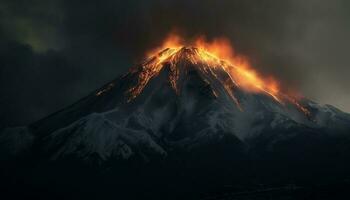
[54, 52]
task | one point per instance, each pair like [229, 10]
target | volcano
[179, 124]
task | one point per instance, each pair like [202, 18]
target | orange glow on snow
[208, 56]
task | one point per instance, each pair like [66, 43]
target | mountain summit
[188, 117]
[220, 74]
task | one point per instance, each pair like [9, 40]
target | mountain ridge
[187, 117]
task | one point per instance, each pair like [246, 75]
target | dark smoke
[55, 52]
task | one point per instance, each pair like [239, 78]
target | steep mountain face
[186, 111]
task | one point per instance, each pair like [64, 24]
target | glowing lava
[213, 60]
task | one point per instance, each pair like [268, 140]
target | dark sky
[54, 52]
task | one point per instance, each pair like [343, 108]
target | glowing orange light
[207, 56]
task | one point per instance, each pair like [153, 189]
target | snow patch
[96, 135]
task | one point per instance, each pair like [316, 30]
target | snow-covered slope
[95, 136]
[175, 126]
[164, 115]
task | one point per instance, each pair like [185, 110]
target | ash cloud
[55, 52]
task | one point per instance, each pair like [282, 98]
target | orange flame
[172, 41]
[217, 53]
[221, 49]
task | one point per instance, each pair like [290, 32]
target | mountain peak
[180, 60]
[187, 113]
[224, 76]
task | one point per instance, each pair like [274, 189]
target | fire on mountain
[208, 56]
